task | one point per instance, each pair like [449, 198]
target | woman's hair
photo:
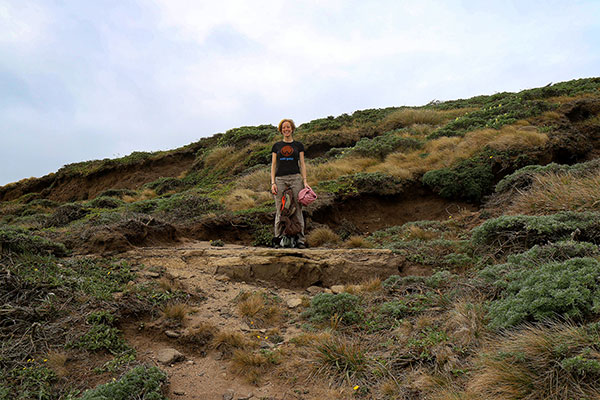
[286, 120]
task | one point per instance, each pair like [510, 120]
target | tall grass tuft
[552, 192]
[322, 236]
[559, 361]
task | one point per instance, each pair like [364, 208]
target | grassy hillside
[506, 303]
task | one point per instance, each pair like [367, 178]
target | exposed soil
[62, 188]
[207, 373]
[371, 213]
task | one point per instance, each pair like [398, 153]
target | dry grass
[370, 286]
[57, 361]
[259, 308]
[336, 168]
[357, 242]
[465, 322]
[252, 366]
[343, 361]
[417, 116]
[527, 364]
[258, 181]
[311, 338]
[228, 340]
[198, 337]
[176, 312]
[416, 232]
[145, 194]
[243, 199]
[517, 139]
[446, 151]
[228, 158]
[322, 236]
[553, 192]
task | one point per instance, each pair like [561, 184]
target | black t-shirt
[288, 156]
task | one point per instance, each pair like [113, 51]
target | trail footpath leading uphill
[224, 278]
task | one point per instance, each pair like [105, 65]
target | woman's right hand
[274, 188]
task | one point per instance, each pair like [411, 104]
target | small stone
[245, 396]
[293, 303]
[223, 278]
[314, 290]
[117, 296]
[169, 356]
[337, 289]
[190, 362]
[228, 395]
[327, 290]
[224, 374]
[151, 274]
[244, 327]
[172, 334]
[178, 393]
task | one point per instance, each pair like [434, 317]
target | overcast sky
[82, 80]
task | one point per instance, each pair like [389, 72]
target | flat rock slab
[287, 268]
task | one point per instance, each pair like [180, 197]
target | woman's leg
[280, 188]
[297, 186]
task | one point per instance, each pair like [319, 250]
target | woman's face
[286, 129]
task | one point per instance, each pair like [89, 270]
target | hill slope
[454, 255]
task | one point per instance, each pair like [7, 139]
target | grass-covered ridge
[497, 298]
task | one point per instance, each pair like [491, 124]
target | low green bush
[106, 202]
[513, 233]
[242, 136]
[165, 184]
[567, 289]
[363, 183]
[140, 383]
[381, 146]
[522, 178]
[119, 193]
[66, 214]
[434, 281]
[325, 305]
[470, 179]
[20, 241]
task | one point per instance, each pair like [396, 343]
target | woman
[288, 171]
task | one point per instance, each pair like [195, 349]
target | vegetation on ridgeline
[497, 303]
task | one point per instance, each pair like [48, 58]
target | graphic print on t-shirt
[287, 151]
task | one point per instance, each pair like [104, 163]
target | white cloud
[23, 23]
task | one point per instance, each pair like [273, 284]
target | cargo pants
[293, 181]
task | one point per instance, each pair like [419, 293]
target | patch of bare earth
[209, 372]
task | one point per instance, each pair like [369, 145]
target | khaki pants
[283, 182]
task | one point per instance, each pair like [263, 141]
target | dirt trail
[221, 274]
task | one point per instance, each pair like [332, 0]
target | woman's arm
[273, 164]
[303, 168]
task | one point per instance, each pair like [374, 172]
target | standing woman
[288, 170]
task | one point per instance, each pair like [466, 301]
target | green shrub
[470, 179]
[520, 232]
[260, 156]
[20, 241]
[106, 202]
[119, 193]
[566, 289]
[242, 136]
[263, 236]
[325, 305]
[434, 281]
[522, 178]
[364, 183]
[102, 337]
[66, 214]
[381, 146]
[165, 184]
[140, 383]
[186, 206]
